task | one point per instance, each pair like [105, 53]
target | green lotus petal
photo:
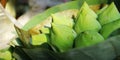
[62, 20]
[107, 29]
[5, 55]
[39, 39]
[62, 37]
[86, 20]
[88, 38]
[45, 30]
[110, 14]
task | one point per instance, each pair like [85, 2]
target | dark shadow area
[21, 7]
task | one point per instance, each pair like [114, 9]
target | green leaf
[102, 51]
[107, 50]
[34, 54]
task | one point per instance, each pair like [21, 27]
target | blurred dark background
[23, 5]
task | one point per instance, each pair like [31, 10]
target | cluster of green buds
[87, 29]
